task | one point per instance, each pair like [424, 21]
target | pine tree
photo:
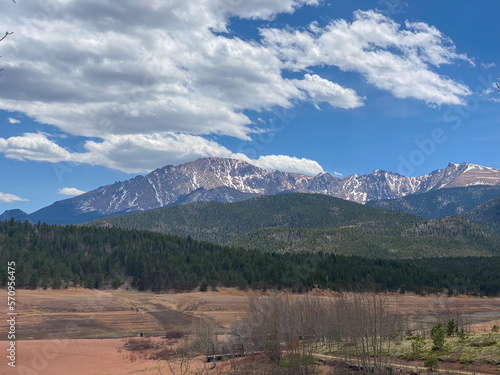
[438, 334]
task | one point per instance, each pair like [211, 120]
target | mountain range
[230, 180]
[313, 223]
[487, 214]
[440, 203]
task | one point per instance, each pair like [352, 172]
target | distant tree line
[62, 256]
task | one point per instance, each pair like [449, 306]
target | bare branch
[6, 35]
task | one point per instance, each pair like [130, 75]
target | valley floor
[86, 330]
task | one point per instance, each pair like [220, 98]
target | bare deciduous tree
[363, 326]
[7, 33]
[445, 309]
[183, 363]
[184, 359]
[204, 336]
[370, 325]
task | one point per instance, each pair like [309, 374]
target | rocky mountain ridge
[240, 180]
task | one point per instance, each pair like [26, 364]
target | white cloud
[288, 164]
[9, 198]
[142, 153]
[488, 66]
[33, 146]
[490, 90]
[149, 79]
[322, 90]
[12, 120]
[145, 152]
[71, 191]
[156, 67]
[391, 58]
[264, 9]
[159, 67]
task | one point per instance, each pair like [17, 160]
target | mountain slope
[106, 258]
[313, 222]
[16, 214]
[220, 223]
[221, 194]
[450, 236]
[440, 203]
[168, 185]
[487, 215]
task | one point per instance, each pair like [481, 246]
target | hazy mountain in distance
[16, 214]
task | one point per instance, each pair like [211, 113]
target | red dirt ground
[80, 331]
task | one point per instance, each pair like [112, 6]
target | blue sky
[93, 92]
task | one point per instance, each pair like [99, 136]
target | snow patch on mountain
[228, 180]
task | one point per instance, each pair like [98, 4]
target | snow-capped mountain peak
[241, 180]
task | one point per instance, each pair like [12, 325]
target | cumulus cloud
[392, 58]
[123, 67]
[149, 80]
[145, 152]
[9, 198]
[33, 146]
[12, 120]
[71, 191]
[289, 164]
[264, 9]
[322, 90]
[142, 153]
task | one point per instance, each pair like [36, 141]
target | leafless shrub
[164, 353]
[142, 344]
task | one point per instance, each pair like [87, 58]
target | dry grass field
[85, 330]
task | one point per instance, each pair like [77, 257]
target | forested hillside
[439, 203]
[450, 236]
[60, 256]
[487, 214]
[313, 222]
